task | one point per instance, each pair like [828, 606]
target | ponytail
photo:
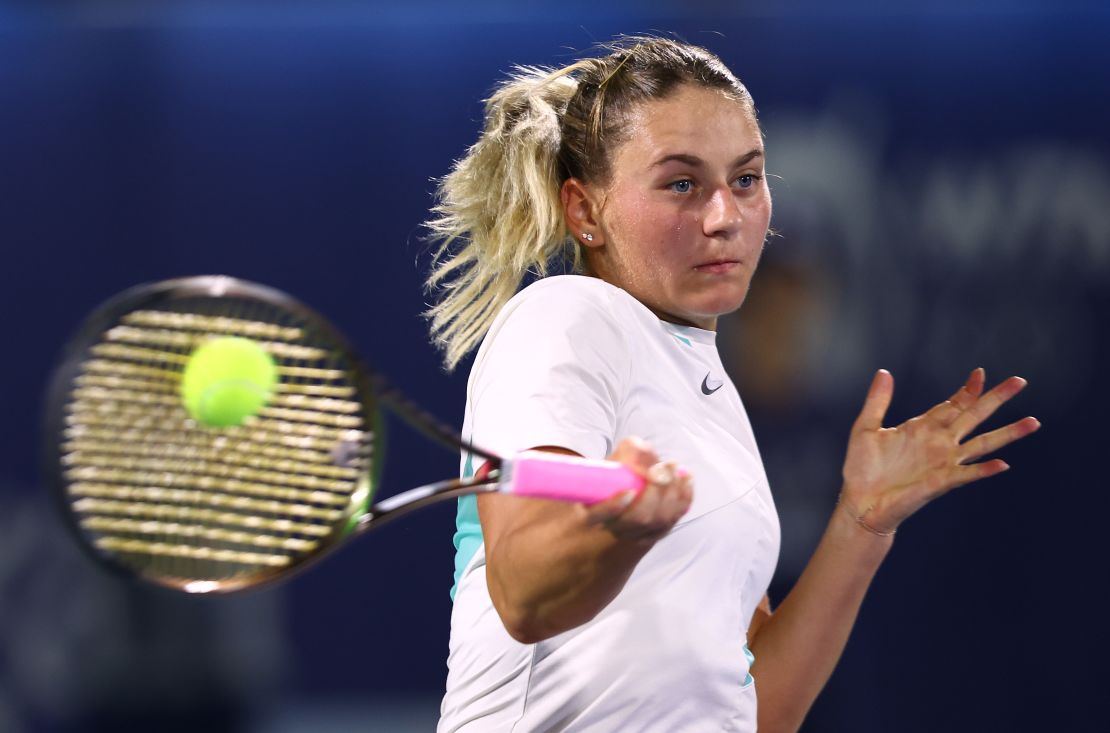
[498, 214]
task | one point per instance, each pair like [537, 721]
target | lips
[717, 266]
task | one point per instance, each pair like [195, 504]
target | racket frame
[372, 390]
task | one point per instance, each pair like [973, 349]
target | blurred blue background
[942, 193]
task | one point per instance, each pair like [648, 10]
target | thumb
[877, 402]
[611, 508]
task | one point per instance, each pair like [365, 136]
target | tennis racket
[151, 493]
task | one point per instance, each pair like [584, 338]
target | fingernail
[1005, 466]
[661, 474]
[627, 498]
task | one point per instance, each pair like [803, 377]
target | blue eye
[747, 180]
[683, 186]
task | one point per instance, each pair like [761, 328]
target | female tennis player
[641, 173]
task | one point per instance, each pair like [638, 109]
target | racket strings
[186, 504]
[227, 458]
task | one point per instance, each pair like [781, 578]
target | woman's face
[683, 218]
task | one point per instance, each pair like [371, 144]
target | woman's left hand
[890, 473]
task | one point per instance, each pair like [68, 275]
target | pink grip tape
[568, 478]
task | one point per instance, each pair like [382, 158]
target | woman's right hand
[647, 515]
[553, 565]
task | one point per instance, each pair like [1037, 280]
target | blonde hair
[499, 215]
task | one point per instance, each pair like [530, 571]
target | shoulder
[558, 320]
[563, 303]
[570, 291]
[553, 369]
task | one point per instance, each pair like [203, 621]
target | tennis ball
[226, 380]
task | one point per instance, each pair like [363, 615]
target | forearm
[549, 577]
[798, 646]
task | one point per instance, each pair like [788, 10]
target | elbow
[523, 626]
[532, 628]
[527, 623]
[521, 618]
[530, 622]
[526, 633]
[532, 613]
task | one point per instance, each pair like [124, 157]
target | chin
[720, 304]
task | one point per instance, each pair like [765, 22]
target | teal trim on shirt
[468, 530]
[751, 660]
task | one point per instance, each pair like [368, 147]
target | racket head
[151, 493]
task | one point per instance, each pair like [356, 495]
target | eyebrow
[695, 161]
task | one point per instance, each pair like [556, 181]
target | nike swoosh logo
[706, 389]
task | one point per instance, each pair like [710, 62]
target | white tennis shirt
[573, 361]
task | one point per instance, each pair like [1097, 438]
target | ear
[580, 210]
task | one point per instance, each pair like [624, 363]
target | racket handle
[546, 475]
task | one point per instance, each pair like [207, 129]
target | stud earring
[587, 236]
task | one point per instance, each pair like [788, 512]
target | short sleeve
[552, 371]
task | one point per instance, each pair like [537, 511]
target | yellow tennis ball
[226, 380]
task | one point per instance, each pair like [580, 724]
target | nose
[722, 213]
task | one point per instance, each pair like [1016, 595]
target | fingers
[974, 386]
[976, 471]
[986, 443]
[611, 508]
[665, 498]
[877, 402]
[986, 406]
[946, 412]
[651, 514]
[636, 454]
[966, 395]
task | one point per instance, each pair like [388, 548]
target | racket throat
[413, 499]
